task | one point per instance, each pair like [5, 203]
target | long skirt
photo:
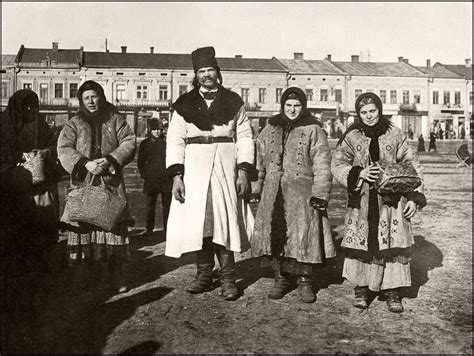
[98, 246]
[377, 277]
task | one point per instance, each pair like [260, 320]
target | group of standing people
[205, 178]
[210, 155]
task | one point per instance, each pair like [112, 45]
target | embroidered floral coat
[394, 231]
[303, 172]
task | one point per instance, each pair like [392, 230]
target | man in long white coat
[209, 153]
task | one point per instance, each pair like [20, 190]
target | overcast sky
[417, 31]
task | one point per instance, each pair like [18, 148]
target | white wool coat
[211, 166]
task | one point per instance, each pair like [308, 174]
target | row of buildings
[143, 85]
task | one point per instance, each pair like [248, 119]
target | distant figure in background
[440, 133]
[152, 168]
[432, 145]
[410, 134]
[421, 144]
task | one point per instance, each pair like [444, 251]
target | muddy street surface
[158, 316]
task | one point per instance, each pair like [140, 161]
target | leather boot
[116, 276]
[204, 265]
[361, 297]
[93, 274]
[227, 278]
[305, 289]
[281, 286]
[393, 301]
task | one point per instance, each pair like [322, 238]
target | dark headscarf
[104, 105]
[15, 112]
[370, 131]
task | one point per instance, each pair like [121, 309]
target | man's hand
[94, 167]
[178, 188]
[410, 210]
[242, 184]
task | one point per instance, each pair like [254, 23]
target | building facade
[144, 85]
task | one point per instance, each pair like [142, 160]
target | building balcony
[143, 103]
[408, 107]
[313, 104]
[252, 106]
[452, 108]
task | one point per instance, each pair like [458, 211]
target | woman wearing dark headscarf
[98, 141]
[294, 169]
[378, 235]
[29, 212]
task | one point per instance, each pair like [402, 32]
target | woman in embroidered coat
[294, 168]
[209, 151]
[98, 141]
[378, 234]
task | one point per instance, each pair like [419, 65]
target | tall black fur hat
[204, 57]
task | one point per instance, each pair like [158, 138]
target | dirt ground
[158, 316]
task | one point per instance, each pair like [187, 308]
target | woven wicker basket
[397, 178]
[100, 205]
[37, 167]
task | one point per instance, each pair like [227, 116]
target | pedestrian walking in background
[432, 144]
[421, 144]
[209, 153]
[29, 208]
[98, 142]
[152, 167]
[378, 236]
[292, 229]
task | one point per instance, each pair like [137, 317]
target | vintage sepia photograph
[236, 178]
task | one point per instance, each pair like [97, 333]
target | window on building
[338, 95]
[457, 97]
[357, 93]
[73, 90]
[27, 86]
[142, 92]
[446, 98]
[58, 90]
[417, 96]
[120, 91]
[471, 98]
[383, 96]
[262, 95]
[278, 93]
[323, 94]
[436, 97]
[406, 97]
[245, 95]
[163, 92]
[5, 90]
[309, 94]
[43, 92]
[183, 89]
[393, 96]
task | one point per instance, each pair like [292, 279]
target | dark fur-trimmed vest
[192, 107]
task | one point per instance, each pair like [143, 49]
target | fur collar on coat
[192, 107]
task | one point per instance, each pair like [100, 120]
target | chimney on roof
[298, 55]
[329, 57]
[55, 47]
[152, 50]
[238, 56]
[355, 58]
[428, 63]
[400, 59]
[405, 60]
[468, 62]
[124, 49]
